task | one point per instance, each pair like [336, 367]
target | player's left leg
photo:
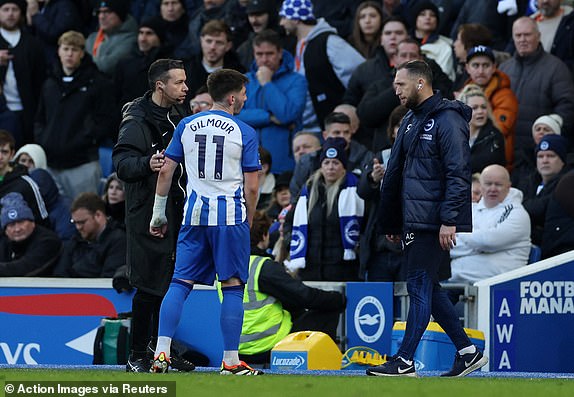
[230, 246]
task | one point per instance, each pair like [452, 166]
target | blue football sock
[171, 307]
[231, 319]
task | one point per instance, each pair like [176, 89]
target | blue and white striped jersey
[217, 149]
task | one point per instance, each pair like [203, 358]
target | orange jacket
[504, 108]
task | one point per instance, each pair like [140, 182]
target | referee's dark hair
[159, 71]
[417, 69]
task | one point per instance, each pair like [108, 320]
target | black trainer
[394, 367]
[138, 365]
[177, 362]
[467, 363]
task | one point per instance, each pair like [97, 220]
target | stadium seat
[535, 254]
[105, 154]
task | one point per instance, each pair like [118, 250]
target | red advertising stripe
[58, 305]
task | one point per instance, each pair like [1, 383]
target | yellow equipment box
[306, 350]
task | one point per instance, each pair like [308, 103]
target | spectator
[380, 259]
[380, 99]
[389, 7]
[358, 156]
[327, 220]
[351, 113]
[22, 66]
[500, 237]
[14, 178]
[284, 304]
[266, 179]
[394, 30]
[115, 38]
[275, 99]
[211, 10]
[485, 12]
[216, 53]
[48, 20]
[33, 157]
[115, 199]
[551, 165]
[448, 11]
[558, 235]
[130, 77]
[176, 22]
[556, 23]
[26, 248]
[338, 14]
[476, 192]
[470, 35]
[201, 102]
[280, 196]
[485, 140]
[142, 9]
[99, 249]
[325, 59]
[263, 15]
[367, 28]
[482, 71]
[75, 114]
[531, 71]
[525, 164]
[10, 121]
[305, 142]
[433, 45]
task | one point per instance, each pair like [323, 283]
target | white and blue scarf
[350, 208]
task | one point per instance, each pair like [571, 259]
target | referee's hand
[158, 227]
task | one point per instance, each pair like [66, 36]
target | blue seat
[105, 154]
[535, 254]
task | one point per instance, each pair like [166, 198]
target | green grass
[212, 385]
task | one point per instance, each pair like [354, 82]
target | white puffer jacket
[499, 242]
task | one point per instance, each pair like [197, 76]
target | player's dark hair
[223, 82]
[417, 69]
[159, 71]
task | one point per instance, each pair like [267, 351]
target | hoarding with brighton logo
[370, 315]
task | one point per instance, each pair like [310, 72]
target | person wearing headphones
[145, 132]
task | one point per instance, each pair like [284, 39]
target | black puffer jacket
[427, 184]
[74, 117]
[100, 258]
[149, 259]
[488, 148]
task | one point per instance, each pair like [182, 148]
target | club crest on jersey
[429, 125]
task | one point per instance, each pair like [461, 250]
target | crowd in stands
[321, 98]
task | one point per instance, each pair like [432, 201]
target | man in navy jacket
[425, 200]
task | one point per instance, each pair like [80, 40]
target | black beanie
[158, 25]
[120, 7]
